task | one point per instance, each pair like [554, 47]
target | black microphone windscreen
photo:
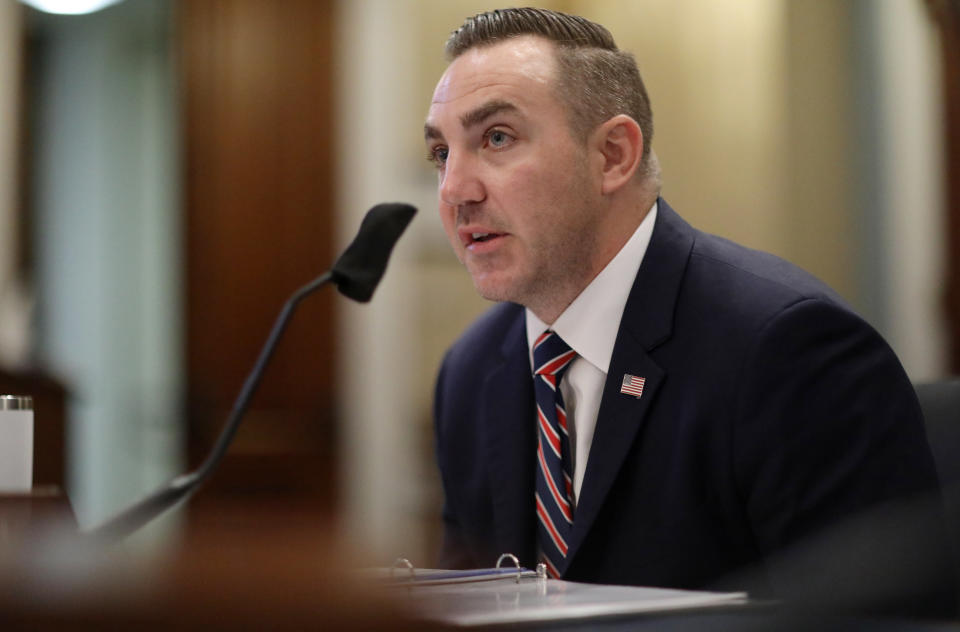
[361, 266]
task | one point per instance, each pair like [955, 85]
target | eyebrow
[473, 117]
[485, 111]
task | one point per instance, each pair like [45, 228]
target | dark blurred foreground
[274, 565]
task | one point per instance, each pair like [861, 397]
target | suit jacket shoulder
[744, 285]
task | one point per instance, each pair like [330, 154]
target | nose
[460, 181]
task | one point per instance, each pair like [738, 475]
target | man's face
[517, 197]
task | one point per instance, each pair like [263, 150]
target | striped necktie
[554, 496]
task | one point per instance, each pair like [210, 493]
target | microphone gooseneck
[356, 274]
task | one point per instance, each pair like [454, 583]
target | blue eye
[498, 139]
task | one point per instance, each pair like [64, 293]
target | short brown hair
[597, 80]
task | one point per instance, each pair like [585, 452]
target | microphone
[361, 266]
[356, 274]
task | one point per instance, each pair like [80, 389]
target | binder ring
[513, 558]
[405, 562]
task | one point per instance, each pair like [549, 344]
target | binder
[504, 595]
[403, 573]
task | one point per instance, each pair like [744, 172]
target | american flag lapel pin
[632, 385]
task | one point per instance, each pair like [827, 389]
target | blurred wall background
[809, 129]
[102, 204]
[14, 331]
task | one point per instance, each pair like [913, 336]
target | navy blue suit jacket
[770, 410]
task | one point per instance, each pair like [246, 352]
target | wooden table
[252, 565]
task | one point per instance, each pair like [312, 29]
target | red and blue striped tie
[554, 497]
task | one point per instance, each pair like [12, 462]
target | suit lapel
[646, 323]
[510, 444]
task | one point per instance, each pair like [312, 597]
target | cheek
[523, 182]
[536, 188]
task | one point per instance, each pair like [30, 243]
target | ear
[620, 143]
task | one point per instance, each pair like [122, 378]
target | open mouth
[476, 238]
[479, 241]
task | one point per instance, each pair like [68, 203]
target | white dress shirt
[589, 326]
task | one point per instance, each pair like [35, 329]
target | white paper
[506, 601]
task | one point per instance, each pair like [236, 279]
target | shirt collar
[590, 323]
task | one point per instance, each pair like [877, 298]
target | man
[648, 404]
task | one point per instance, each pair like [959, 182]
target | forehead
[520, 69]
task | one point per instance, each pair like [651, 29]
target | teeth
[479, 236]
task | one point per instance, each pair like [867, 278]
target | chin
[499, 285]
[490, 294]
[492, 291]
